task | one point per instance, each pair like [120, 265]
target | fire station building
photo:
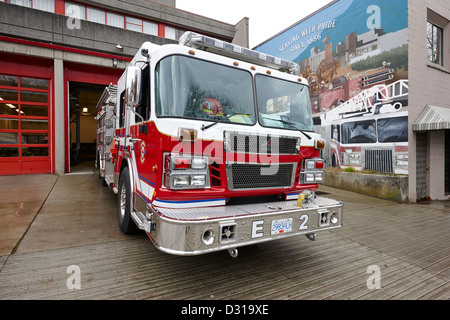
[57, 56]
[379, 74]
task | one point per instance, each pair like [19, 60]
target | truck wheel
[126, 224]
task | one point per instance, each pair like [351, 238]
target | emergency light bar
[198, 41]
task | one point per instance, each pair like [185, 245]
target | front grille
[258, 176]
[379, 160]
[251, 143]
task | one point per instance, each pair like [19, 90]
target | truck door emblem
[142, 152]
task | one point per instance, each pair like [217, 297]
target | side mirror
[133, 87]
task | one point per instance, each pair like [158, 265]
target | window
[144, 106]
[196, 89]
[151, 28]
[434, 43]
[134, 24]
[23, 3]
[112, 19]
[172, 33]
[95, 15]
[122, 110]
[44, 5]
[336, 132]
[115, 20]
[393, 129]
[24, 117]
[359, 132]
[75, 10]
[283, 104]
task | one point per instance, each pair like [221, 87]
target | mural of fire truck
[370, 130]
[327, 94]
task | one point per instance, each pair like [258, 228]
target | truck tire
[126, 223]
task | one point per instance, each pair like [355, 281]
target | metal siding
[433, 118]
[421, 166]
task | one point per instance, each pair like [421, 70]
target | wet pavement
[50, 223]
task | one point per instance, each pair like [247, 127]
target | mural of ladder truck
[370, 130]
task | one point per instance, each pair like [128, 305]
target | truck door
[140, 132]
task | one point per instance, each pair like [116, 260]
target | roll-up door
[25, 124]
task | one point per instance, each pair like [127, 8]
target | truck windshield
[363, 131]
[192, 88]
[283, 104]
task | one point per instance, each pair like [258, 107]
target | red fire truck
[211, 146]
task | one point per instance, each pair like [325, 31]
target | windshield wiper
[291, 125]
[225, 118]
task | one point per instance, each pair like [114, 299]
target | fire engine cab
[211, 146]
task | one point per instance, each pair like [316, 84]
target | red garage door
[25, 128]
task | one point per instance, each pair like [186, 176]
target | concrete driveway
[52, 227]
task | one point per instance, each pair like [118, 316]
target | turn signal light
[182, 163]
[319, 144]
[319, 164]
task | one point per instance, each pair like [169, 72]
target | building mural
[354, 54]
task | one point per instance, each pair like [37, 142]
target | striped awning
[433, 118]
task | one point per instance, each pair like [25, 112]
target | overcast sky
[267, 17]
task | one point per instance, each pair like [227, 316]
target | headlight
[179, 181]
[310, 177]
[319, 176]
[310, 164]
[334, 218]
[401, 160]
[312, 171]
[199, 163]
[185, 172]
[198, 180]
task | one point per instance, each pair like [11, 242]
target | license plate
[281, 226]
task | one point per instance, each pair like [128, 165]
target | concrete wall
[53, 28]
[168, 14]
[428, 85]
[393, 188]
[171, 3]
[242, 33]
[56, 29]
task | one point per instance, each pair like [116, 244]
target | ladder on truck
[375, 100]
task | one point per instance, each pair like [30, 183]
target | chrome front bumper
[194, 231]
